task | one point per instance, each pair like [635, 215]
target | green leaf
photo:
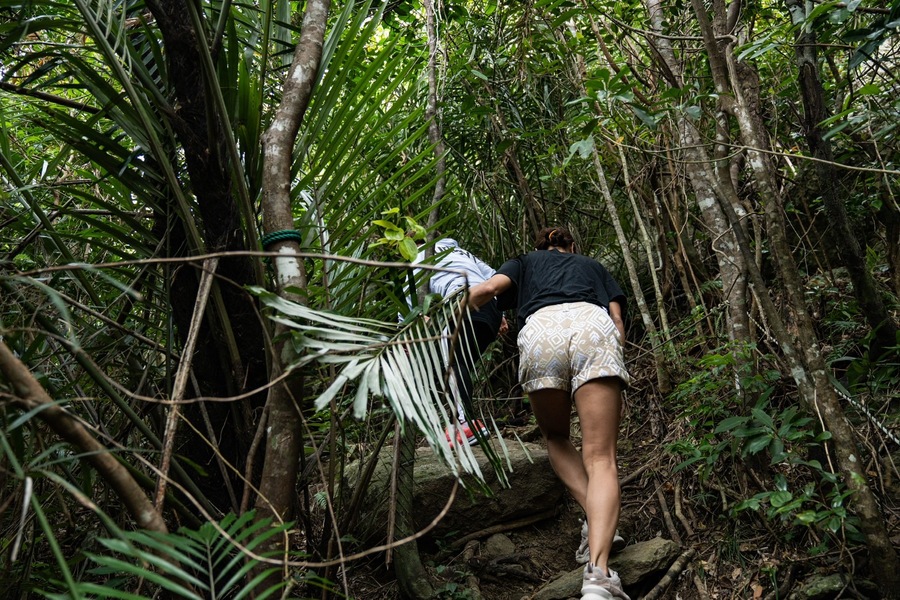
[408, 249]
[756, 444]
[645, 117]
[780, 498]
[806, 517]
[395, 234]
[582, 148]
[870, 89]
[763, 417]
[730, 423]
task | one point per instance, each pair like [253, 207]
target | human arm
[481, 294]
[615, 311]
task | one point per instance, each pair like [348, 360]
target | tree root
[677, 567]
[473, 585]
[508, 526]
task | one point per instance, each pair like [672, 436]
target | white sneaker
[597, 586]
[583, 554]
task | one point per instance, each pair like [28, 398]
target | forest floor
[748, 556]
[546, 549]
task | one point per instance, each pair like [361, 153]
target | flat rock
[533, 489]
[638, 565]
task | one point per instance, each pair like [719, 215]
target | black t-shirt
[547, 277]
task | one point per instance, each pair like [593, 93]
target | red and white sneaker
[466, 432]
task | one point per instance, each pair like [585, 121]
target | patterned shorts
[566, 345]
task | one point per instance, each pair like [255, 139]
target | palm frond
[407, 364]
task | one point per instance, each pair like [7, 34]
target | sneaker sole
[472, 440]
[595, 593]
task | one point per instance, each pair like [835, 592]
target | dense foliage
[732, 163]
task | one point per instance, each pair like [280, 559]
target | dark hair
[553, 236]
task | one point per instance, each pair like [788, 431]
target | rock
[832, 586]
[639, 565]
[498, 545]
[820, 587]
[534, 489]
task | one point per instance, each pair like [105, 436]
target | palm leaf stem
[221, 25]
[47, 225]
[61, 101]
[54, 546]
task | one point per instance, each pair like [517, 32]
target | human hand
[504, 325]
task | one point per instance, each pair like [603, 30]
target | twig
[670, 525]
[678, 512]
[670, 576]
[502, 527]
[635, 474]
[181, 377]
[473, 585]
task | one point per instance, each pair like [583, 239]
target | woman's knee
[553, 435]
[601, 464]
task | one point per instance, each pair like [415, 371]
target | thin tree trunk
[278, 481]
[223, 365]
[709, 193]
[657, 342]
[662, 374]
[411, 575]
[647, 245]
[839, 234]
[534, 213]
[737, 82]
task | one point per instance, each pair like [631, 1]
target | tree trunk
[411, 575]
[284, 436]
[740, 85]
[222, 366]
[840, 236]
[709, 193]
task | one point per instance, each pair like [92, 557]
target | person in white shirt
[480, 328]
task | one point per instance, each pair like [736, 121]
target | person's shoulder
[446, 243]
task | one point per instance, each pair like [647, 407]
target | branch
[32, 396]
[21, 91]
[671, 575]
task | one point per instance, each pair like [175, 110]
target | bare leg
[599, 403]
[553, 410]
